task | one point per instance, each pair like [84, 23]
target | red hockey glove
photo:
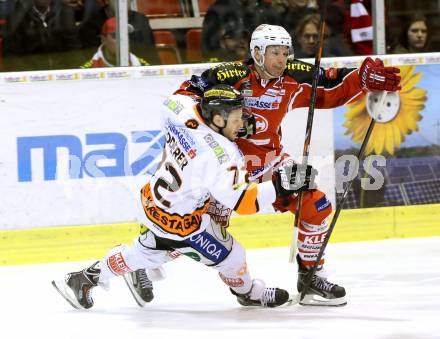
[376, 77]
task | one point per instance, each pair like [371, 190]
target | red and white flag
[361, 28]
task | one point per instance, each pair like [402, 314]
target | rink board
[96, 111]
[42, 245]
[105, 122]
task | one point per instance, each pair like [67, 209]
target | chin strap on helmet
[225, 120]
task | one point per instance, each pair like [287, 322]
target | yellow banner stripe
[58, 244]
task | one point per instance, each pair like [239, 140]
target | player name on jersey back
[175, 200]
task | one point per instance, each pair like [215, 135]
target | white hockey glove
[291, 178]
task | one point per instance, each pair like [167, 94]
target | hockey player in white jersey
[200, 164]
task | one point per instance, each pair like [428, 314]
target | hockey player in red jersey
[273, 83]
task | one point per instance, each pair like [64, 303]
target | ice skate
[321, 292]
[140, 286]
[76, 287]
[269, 296]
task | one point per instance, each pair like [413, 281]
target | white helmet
[269, 35]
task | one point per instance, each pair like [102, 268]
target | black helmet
[220, 99]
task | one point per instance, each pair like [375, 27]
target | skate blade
[64, 290]
[129, 282]
[316, 300]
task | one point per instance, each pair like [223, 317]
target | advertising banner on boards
[406, 136]
[78, 145]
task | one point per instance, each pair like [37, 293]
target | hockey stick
[340, 204]
[309, 126]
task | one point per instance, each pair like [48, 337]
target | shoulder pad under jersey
[227, 73]
[299, 70]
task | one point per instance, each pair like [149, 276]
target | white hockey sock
[310, 240]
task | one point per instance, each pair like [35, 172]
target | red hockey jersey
[270, 100]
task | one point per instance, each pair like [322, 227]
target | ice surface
[393, 292]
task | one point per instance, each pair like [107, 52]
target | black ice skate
[271, 297]
[321, 292]
[76, 287]
[140, 286]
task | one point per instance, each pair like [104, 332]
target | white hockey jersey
[197, 163]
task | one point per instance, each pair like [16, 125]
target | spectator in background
[337, 43]
[78, 8]
[106, 54]
[306, 35]
[247, 13]
[44, 27]
[414, 37]
[295, 10]
[263, 13]
[234, 43]
[6, 8]
[361, 27]
[96, 12]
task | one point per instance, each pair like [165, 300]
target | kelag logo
[82, 162]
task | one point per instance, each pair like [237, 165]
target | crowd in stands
[55, 34]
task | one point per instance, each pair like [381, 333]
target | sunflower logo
[397, 118]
